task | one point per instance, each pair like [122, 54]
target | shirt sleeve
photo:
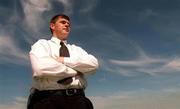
[81, 61]
[43, 65]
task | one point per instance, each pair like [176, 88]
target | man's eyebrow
[65, 21]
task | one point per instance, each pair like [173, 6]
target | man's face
[61, 28]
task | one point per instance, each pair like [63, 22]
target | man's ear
[52, 26]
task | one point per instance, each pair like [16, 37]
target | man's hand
[61, 59]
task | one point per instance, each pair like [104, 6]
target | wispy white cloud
[68, 6]
[18, 103]
[171, 66]
[144, 99]
[88, 6]
[146, 14]
[164, 21]
[142, 64]
[10, 52]
[174, 64]
[33, 10]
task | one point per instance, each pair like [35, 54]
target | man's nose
[67, 24]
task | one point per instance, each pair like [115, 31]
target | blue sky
[135, 41]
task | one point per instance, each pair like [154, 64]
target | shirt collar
[57, 41]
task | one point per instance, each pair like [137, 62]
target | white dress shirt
[47, 70]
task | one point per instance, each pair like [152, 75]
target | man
[59, 70]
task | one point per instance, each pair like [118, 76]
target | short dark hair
[55, 18]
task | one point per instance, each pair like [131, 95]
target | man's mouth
[66, 29]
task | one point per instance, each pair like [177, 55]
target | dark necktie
[63, 52]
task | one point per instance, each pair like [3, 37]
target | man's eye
[63, 22]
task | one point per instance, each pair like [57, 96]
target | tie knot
[61, 43]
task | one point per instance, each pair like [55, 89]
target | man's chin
[65, 37]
